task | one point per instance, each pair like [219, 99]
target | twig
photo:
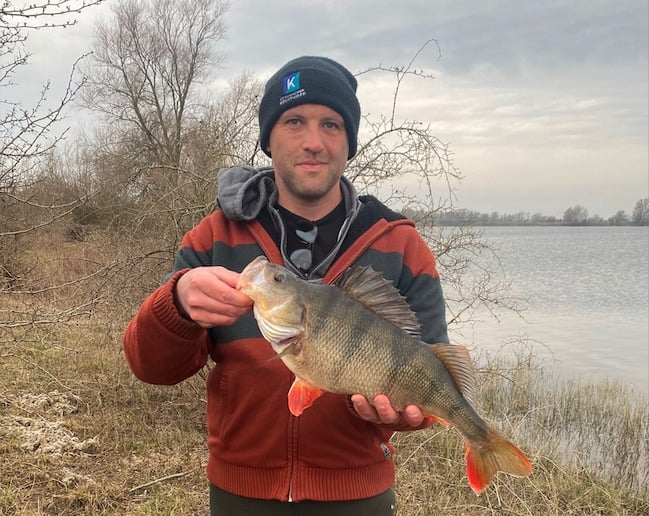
[42, 369]
[158, 480]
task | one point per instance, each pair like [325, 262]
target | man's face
[309, 148]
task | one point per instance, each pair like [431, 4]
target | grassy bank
[80, 435]
[589, 444]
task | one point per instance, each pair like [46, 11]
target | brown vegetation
[86, 234]
[80, 435]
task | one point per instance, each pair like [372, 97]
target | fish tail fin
[485, 459]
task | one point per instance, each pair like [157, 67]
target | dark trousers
[223, 503]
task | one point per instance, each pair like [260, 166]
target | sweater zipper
[292, 458]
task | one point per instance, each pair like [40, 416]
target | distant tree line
[572, 216]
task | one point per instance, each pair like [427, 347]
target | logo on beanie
[291, 83]
[291, 88]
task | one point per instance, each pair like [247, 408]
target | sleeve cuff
[165, 309]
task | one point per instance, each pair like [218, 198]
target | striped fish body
[347, 348]
[360, 336]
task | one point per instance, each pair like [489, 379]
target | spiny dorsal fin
[371, 289]
[457, 361]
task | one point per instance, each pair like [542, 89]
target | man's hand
[208, 296]
[382, 411]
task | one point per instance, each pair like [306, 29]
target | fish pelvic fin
[484, 460]
[301, 396]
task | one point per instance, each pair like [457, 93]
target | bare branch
[40, 15]
[401, 72]
[158, 480]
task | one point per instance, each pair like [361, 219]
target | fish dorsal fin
[371, 289]
[458, 363]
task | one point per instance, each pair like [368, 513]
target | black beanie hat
[310, 80]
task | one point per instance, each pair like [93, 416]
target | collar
[243, 192]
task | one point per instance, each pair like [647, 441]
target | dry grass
[116, 434]
[589, 444]
[80, 435]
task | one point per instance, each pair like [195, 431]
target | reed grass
[588, 442]
[80, 435]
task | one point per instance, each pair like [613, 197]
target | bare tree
[233, 121]
[27, 138]
[148, 58]
[400, 152]
[575, 215]
[640, 216]
[405, 163]
[27, 133]
[225, 135]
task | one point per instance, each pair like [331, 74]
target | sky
[544, 105]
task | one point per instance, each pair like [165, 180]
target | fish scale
[398, 363]
[360, 337]
[360, 346]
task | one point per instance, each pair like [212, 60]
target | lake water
[587, 291]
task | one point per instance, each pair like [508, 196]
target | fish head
[277, 302]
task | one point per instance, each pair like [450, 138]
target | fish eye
[279, 277]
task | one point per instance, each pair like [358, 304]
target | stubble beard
[299, 188]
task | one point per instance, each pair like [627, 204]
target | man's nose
[313, 139]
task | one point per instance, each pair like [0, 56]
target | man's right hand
[208, 296]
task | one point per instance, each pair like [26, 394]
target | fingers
[364, 409]
[413, 415]
[208, 296]
[382, 412]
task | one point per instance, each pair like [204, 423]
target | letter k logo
[291, 83]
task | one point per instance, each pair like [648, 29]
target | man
[336, 458]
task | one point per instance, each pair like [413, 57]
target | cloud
[543, 103]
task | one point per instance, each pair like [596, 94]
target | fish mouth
[250, 272]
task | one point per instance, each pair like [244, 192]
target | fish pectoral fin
[302, 395]
[292, 346]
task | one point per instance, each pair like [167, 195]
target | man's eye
[332, 125]
[293, 121]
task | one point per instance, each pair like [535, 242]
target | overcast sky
[544, 104]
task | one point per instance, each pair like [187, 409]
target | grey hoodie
[243, 192]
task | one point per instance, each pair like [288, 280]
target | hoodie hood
[243, 192]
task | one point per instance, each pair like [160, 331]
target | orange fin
[484, 460]
[436, 419]
[301, 396]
